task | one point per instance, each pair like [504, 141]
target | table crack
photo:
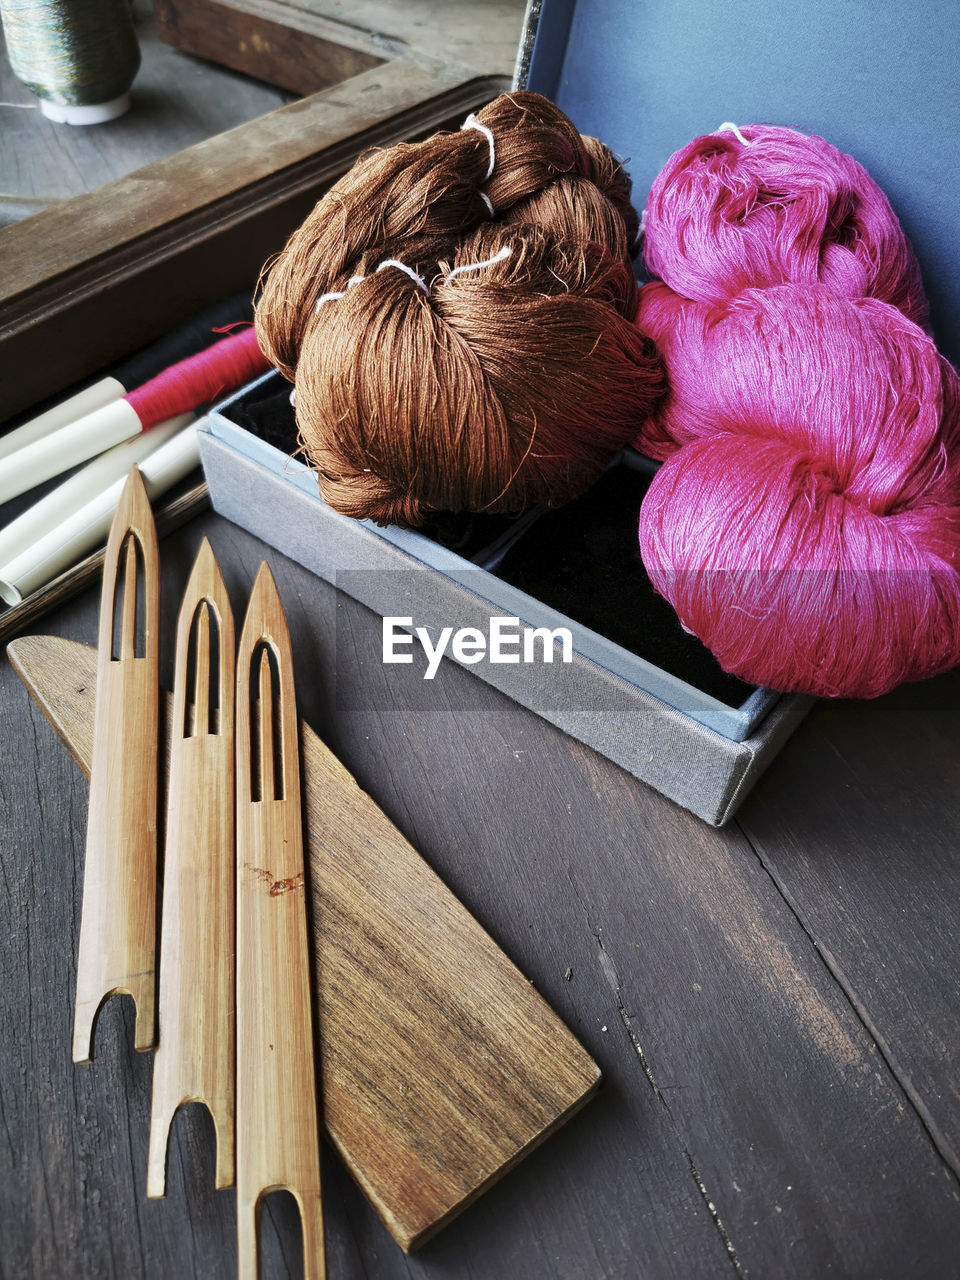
[614, 981]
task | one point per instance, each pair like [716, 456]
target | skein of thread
[455, 314]
[765, 205]
[79, 57]
[194, 334]
[808, 531]
[185, 386]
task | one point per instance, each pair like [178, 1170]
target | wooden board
[872, 871]
[303, 45]
[282, 46]
[442, 1067]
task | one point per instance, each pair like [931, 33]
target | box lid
[879, 81]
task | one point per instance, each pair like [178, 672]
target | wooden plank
[714, 1000]
[467, 1068]
[287, 48]
[807, 1143]
[175, 103]
[858, 827]
[483, 34]
[195, 226]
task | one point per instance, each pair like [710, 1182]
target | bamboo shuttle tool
[118, 925]
[278, 1139]
[467, 1069]
[195, 1055]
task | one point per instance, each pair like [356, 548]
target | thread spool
[79, 57]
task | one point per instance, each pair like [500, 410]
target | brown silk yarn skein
[450, 358]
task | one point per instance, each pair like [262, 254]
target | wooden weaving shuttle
[442, 1066]
[195, 1053]
[278, 1138]
[118, 925]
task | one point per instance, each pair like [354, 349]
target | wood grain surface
[273, 42]
[441, 1066]
[176, 102]
[759, 1113]
[278, 1132]
[118, 929]
[195, 1059]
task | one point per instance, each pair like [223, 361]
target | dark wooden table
[774, 1006]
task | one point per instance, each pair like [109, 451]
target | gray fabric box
[699, 752]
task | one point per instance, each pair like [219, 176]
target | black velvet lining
[582, 559]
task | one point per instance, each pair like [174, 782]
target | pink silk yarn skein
[808, 528]
[765, 205]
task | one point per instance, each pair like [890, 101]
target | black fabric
[584, 560]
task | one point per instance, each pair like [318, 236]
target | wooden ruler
[441, 1066]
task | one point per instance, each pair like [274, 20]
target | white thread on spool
[729, 127]
[472, 122]
[502, 254]
[51, 510]
[409, 271]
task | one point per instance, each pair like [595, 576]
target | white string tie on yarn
[387, 262]
[472, 122]
[729, 127]
[641, 227]
[409, 271]
[505, 252]
[332, 297]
